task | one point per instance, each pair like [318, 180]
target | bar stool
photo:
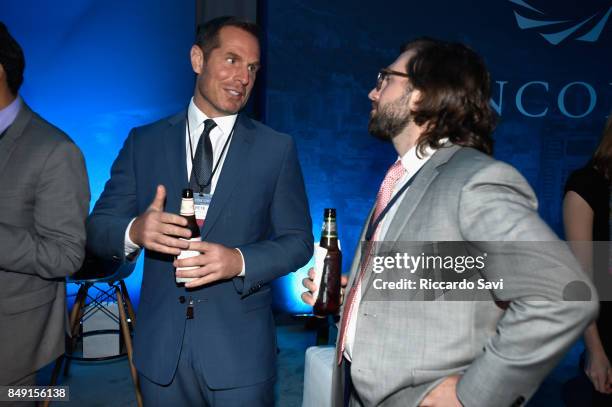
[92, 274]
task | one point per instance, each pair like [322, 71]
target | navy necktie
[201, 172]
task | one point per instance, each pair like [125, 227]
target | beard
[391, 119]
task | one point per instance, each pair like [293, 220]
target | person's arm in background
[578, 222]
[54, 247]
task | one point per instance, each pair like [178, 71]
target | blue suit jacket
[259, 206]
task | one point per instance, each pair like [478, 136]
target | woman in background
[586, 217]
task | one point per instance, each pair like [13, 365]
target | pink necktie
[394, 174]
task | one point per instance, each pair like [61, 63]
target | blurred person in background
[586, 217]
[44, 200]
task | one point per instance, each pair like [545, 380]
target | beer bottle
[188, 212]
[328, 299]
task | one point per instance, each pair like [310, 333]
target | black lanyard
[374, 222]
[207, 183]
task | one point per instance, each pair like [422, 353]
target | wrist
[238, 262]
[133, 232]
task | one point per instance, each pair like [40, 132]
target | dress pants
[189, 388]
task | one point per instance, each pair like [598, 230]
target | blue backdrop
[550, 66]
[96, 69]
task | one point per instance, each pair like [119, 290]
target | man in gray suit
[44, 200]
[488, 348]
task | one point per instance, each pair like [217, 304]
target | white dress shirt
[412, 163]
[218, 137]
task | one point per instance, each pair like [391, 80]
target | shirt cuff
[242, 273]
[131, 249]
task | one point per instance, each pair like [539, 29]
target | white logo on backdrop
[585, 28]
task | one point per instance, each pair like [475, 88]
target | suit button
[182, 299]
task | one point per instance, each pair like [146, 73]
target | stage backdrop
[96, 69]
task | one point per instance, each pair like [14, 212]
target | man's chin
[234, 105]
[231, 109]
[377, 132]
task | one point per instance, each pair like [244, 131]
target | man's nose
[243, 76]
[373, 95]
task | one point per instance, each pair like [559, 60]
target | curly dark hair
[455, 90]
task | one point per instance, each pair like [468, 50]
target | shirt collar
[9, 114]
[196, 120]
[412, 162]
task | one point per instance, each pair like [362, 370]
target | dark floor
[101, 384]
[109, 383]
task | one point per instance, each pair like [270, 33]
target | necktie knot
[209, 124]
[395, 172]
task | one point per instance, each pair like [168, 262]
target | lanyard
[191, 155]
[374, 223]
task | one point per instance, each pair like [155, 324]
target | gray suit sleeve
[55, 246]
[538, 327]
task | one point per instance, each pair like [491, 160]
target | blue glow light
[97, 69]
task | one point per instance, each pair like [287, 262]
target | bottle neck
[329, 234]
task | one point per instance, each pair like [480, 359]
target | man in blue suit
[211, 342]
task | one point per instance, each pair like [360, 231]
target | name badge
[201, 203]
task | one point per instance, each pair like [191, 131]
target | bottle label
[319, 257]
[185, 254]
[329, 229]
[187, 207]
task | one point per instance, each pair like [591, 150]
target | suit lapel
[232, 170]
[410, 201]
[174, 147]
[356, 266]
[9, 141]
[415, 193]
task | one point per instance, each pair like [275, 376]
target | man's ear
[197, 59]
[415, 98]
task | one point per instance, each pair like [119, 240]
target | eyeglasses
[383, 73]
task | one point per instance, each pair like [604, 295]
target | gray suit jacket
[403, 349]
[44, 200]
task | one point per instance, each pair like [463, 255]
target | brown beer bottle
[328, 300]
[188, 212]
